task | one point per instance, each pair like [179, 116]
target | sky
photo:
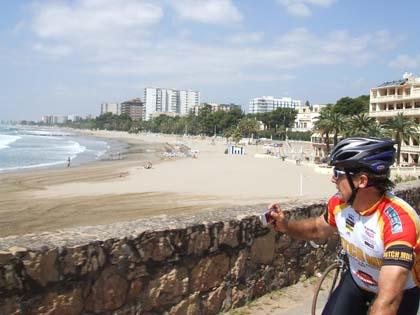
[67, 57]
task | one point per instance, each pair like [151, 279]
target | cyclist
[379, 232]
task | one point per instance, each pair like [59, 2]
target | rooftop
[393, 83]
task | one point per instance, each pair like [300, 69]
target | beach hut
[236, 150]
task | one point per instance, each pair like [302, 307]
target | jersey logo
[394, 219]
[366, 278]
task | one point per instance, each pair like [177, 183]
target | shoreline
[109, 191]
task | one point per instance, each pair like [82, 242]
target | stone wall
[196, 265]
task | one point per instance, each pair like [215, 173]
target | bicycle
[329, 280]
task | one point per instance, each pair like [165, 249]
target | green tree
[348, 106]
[402, 128]
[329, 122]
[248, 127]
[363, 125]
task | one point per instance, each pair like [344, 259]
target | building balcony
[394, 112]
[410, 149]
[393, 98]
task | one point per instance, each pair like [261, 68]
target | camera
[265, 218]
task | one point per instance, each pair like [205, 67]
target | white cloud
[406, 62]
[246, 38]
[112, 37]
[84, 23]
[207, 11]
[302, 8]
[53, 50]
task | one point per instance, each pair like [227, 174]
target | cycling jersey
[386, 234]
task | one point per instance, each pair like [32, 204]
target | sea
[30, 148]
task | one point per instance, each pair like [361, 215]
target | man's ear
[363, 181]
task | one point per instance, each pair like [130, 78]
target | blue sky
[66, 57]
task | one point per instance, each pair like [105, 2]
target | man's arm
[392, 280]
[307, 229]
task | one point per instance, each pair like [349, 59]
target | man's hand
[278, 218]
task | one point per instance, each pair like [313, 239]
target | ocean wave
[45, 133]
[5, 140]
[75, 148]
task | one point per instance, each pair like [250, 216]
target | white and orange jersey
[386, 234]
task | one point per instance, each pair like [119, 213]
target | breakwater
[200, 264]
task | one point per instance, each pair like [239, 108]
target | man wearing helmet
[379, 231]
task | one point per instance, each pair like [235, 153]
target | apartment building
[401, 96]
[306, 117]
[215, 107]
[267, 104]
[133, 108]
[169, 101]
[113, 108]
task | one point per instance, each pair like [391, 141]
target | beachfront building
[267, 104]
[306, 117]
[113, 108]
[54, 119]
[133, 108]
[169, 101]
[401, 96]
[215, 107]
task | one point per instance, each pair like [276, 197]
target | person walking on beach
[68, 162]
[379, 232]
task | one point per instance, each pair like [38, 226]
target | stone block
[5, 257]
[190, 306]
[166, 288]
[109, 292]
[69, 303]
[209, 272]
[157, 249]
[239, 265]
[42, 267]
[262, 250]
[215, 300]
[229, 236]
[198, 242]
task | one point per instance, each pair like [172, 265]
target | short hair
[381, 182]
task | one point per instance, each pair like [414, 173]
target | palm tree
[336, 121]
[402, 128]
[329, 122]
[363, 125]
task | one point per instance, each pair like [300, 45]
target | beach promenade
[121, 190]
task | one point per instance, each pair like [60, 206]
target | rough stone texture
[42, 267]
[109, 292]
[198, 264]
[69, 303]
[262, 250]
[214, 301]
[167, 288]
[209, 273]
[189, 306]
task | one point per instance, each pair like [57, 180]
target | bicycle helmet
[374, 154]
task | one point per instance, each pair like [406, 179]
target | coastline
[113, 190]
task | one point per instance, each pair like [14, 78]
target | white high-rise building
[267, 104]
[113, 108]
[169, 101]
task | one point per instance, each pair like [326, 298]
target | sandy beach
[118, 190]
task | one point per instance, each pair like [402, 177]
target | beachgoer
[68, 162]
[379, 232]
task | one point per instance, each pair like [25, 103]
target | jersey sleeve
[400, 234]
[329, 214]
